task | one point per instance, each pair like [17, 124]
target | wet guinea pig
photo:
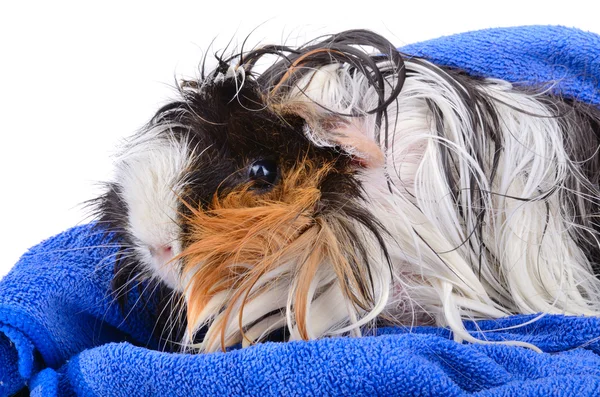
[347, 186]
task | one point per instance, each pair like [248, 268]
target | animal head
[245, 197]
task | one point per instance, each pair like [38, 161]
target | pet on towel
[349, 186]
[57, 312]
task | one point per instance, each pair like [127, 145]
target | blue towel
[61, 334]
[528, 55]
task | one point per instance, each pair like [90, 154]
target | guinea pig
[348, 186]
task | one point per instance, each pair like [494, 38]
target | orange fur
[243, 235]
[246, 228]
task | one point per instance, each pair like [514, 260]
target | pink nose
[163, 252]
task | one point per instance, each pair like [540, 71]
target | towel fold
[61, 333]
[394, 363]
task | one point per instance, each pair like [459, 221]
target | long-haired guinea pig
[346, 187]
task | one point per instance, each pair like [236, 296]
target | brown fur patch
[244, 234]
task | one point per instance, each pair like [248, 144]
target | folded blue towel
[62, 335]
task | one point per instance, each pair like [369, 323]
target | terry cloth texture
[62, 335]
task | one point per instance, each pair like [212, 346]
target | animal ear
[319, 81]
[351, 135]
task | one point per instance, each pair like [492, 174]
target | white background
[77, 77]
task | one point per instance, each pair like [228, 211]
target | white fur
[435, 273]
[148, 173]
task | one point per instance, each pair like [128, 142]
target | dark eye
[263, 173]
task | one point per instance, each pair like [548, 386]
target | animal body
[348, 186]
